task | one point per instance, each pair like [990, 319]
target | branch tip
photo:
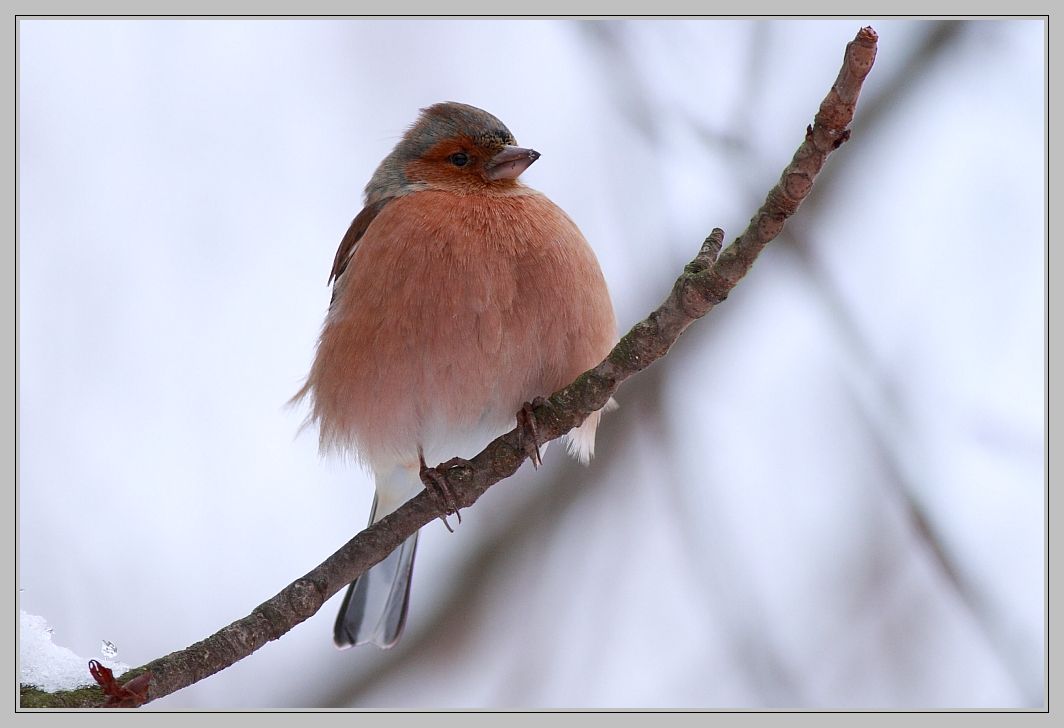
[706, 281]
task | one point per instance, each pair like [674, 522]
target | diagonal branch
[705, 282]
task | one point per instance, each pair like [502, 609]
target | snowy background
[830, 494]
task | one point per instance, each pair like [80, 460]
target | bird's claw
[528, 432]
[436, 484]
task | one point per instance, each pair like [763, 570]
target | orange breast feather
[425, 337]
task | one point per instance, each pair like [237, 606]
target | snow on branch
[705, 282]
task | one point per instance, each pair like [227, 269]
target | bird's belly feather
[425, 347]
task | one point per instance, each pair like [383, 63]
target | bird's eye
[460, 159]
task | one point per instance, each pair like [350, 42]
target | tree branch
[705, 282]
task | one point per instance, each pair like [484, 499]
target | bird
[459, 294]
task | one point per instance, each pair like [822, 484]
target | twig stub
[705, 282]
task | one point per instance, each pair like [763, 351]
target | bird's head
[453, 147]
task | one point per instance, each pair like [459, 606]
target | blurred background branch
[863, 530]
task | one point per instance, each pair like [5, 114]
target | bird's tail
[374, 608]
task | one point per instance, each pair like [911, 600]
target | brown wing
[354, 233]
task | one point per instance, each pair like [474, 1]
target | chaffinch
[459, 294]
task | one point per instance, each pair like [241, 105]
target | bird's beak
[511, 162]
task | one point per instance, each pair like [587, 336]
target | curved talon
[526, 419]
[436, 484]
[444, 519]
[452, 463]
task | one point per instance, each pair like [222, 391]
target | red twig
[705, 282]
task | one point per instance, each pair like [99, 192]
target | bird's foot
[436, 484]
[528, 432]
